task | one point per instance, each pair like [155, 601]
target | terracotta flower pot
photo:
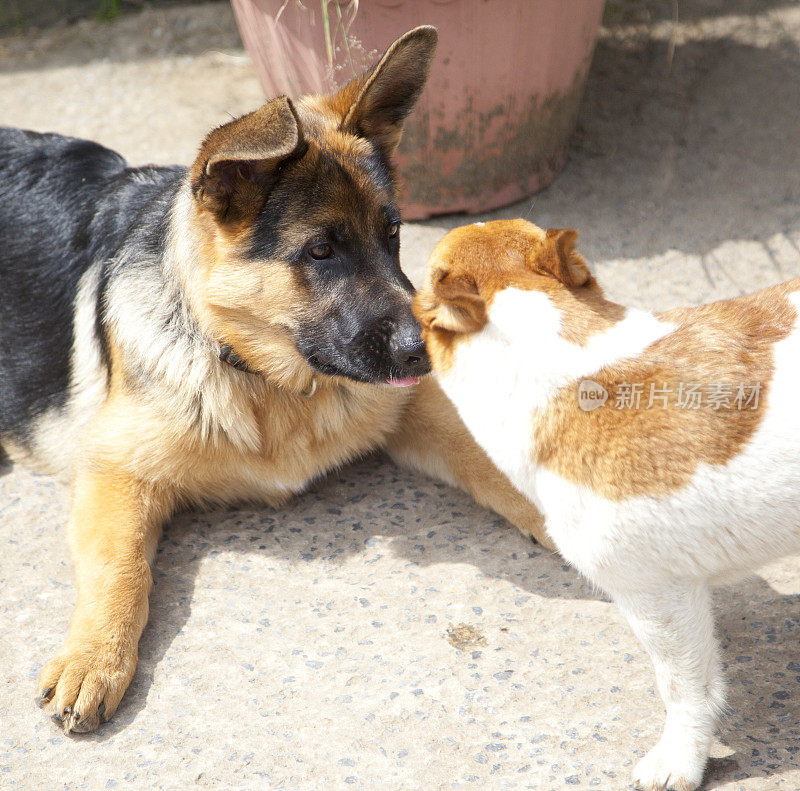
[493, 123]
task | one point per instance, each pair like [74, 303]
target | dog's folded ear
[375, 104]
[457, 305]
[555, 255]
[239, 161]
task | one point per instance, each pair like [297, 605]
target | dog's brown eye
[320, 251]
[394, 229]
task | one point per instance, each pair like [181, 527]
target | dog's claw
[44, 698]
[84, 726]
[64, 717]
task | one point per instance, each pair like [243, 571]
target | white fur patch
[57, 434]
[160, 336]
[529, 361]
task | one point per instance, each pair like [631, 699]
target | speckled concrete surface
[383, 631]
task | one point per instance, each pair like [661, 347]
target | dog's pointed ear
[239, 162]
[556, 256]
[458, 305]
[375, 105]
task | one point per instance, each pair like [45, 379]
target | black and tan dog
[223, 334]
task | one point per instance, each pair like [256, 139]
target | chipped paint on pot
[494, 121]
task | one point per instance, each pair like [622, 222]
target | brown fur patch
[239, 161]
[627, 452]
[375, 104]
[298, 438]
[251, 305]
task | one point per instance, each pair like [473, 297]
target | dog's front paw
[670, 766]
[84, 684]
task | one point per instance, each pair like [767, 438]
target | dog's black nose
[409, 354]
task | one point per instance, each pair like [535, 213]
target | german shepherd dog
[223, 334]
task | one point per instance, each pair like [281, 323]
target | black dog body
[67, 206]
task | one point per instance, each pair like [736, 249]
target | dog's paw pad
[83, 687]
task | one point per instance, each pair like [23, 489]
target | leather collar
[226, 353]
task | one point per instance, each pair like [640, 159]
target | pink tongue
[407, 382]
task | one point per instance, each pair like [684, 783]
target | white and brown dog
[663, 449]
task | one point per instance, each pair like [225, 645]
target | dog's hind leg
[676, 627]
[432, 439]
[114, 528]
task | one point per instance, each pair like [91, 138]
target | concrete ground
[384, 632]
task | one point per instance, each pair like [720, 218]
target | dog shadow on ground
[339, 516]
[759, 628]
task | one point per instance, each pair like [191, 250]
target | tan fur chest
[267, 444]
